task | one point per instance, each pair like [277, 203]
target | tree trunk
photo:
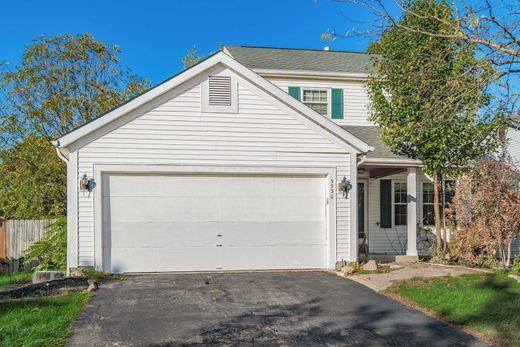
[436, 211]
[443, 219]
[508, 262]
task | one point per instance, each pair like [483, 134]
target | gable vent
[219, 90]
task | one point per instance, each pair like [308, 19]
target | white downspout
[58, 151]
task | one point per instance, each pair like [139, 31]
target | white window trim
[327, 90]
[206, 107]
[394, 203]
[425, 203]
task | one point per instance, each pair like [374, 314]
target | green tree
[191, 58]
[61, 83]
[427, 95]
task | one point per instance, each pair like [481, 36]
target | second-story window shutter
[385, 200]
[295, 92]
[337, 103]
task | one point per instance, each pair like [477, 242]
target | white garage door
[202, 222]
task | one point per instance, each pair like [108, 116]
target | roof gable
[320, 123]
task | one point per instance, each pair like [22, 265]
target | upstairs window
[317, 99]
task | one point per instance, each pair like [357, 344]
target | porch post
[411, 222]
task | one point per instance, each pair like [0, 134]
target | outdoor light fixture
[87, 183]
[83, 183]
[344, 186]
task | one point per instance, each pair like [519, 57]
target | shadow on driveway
[262, 308]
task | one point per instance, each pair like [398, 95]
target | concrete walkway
[379, 282]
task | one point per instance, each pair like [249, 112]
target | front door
[362, 218]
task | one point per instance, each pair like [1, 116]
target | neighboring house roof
[259, 58]
[322, 124]
[370, 135]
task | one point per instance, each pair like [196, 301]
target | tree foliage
[191, 58]
[61, 83]
[427, 93]
[51, 250]
[32, 180]
[492, 27]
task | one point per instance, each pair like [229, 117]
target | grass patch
[7, 280]
[487, 303]
[40, 321]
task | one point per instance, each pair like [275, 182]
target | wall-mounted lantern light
[344, 186]
[87, 183]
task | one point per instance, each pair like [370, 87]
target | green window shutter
[295, 92]
[385, 200]
[337, 103]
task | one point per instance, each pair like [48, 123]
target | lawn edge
[71, 324]
[432, 314]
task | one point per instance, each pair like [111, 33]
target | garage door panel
[163, 259]
[161, 234]
[280, 257]
[272, 209]
[261, 234]
[127, 209]
[262, 186]
[264, 222]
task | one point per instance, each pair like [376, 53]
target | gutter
[311, 74]
[59, 152]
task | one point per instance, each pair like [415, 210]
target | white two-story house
[255, 158]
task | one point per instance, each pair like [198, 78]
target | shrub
[516, 265]
[486, 212]
[51, 250]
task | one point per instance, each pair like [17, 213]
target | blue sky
[155, 34]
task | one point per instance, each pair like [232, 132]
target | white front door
[154, 223]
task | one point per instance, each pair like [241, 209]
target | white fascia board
[390, 162]
[225, 59]
[328, 75]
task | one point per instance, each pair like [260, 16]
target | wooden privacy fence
[16, 236]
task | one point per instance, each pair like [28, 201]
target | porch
[394, 200]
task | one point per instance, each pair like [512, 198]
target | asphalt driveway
[262, 308]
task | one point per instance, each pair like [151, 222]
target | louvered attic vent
[219, 91]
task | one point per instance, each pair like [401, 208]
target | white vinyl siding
[513, 146]
[178, 133]
[355, 97]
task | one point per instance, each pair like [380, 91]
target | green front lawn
[8, 279]
[42, 321]
[487, 303]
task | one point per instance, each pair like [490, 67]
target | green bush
[51, 250]
[516, 265]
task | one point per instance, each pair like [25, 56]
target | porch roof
[370, 135]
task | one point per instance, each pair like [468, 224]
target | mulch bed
[55, 287]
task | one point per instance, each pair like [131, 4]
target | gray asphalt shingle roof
[370, 135]
[301, 59]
